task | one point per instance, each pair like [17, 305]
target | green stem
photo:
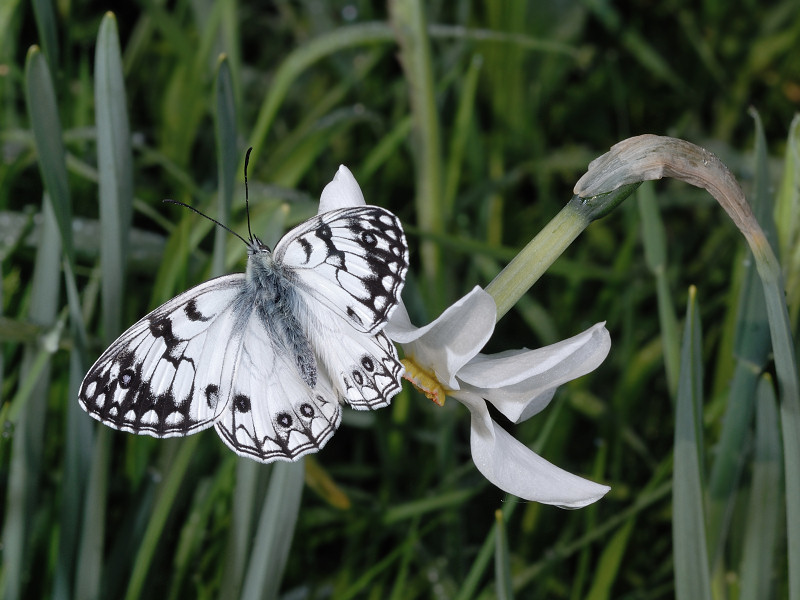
[542, 251]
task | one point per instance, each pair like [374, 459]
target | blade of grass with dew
[655, 250]
[410, 24]
[27, 444]
[227, 157]
[502, 560]
[757, 570]
[276, 526]
[692, 578]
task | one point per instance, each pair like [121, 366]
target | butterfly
[268, 356]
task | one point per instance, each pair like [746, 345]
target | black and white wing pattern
[352, 260]
[274, 414]
[165, 375]
[269, 356]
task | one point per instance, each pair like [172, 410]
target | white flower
[342, 192]
[443, 358]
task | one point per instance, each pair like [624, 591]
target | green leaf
[227, 157]
[43, 110]
[115, 171]
[275, 532]
[502, 560]
[763, 510]
[690, 554]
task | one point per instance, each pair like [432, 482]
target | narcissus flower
[443, 358]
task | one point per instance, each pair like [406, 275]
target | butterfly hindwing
[273, 414]
[166, 375]
[351, 260]
[366, 370]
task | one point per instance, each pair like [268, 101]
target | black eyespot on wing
[241, 403]
[306, 410]
[126, 378]
[284, 420]
[368, 239]
[358, 378]
[367, 363]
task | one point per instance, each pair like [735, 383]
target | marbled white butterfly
[266, 356]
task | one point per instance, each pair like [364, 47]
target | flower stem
[542, 251]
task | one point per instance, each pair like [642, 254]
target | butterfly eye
[284, 420]
[368, 365]
[307, 410]
[126, 378]
[241, 403]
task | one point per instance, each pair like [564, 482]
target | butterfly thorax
[270, 291]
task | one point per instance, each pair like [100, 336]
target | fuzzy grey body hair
[269, 294]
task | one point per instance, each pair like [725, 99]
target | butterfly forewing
[170, 373]
[352, 260]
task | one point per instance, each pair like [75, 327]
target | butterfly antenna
[213, 220]
[246, 193]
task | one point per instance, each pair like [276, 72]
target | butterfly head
[256, 246]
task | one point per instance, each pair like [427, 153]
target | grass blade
[502, 560]
[43, 110]
[655, 249]
[787, 219]
[764, 506]
[409, 21]
[27, 444]
[46, 26]
[115, 171]
[168, 489]
[692, 578]
[275, 532]
[227, 157]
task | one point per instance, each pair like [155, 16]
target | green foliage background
[523, 96]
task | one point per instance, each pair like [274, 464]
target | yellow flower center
[424, 381]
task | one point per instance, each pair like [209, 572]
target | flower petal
[515, 468]
[449, 342]
[342, 192]
[520, 383]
